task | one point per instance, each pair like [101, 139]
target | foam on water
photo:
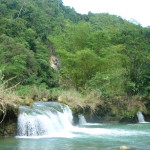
[140, 117]
[108, 132]
[82, 121]
[46, 120]
[52, 119]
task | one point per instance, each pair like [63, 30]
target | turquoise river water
[88, 137]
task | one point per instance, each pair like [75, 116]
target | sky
[138, 10]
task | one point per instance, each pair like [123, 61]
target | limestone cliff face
[54, 62]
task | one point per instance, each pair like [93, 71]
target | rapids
[48, 126]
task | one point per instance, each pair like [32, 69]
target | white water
[140, 117]
[51, 119]
[82, 120]
[45, 119]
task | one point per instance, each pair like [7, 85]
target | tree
[16, 60]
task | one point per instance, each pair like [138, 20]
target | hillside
[104, 59]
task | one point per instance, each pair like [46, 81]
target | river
[49, 126]
[88, 137]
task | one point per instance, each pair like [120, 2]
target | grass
[76, 100]
[8, 98]
[38, 93]
[12, 97]
[120, 106]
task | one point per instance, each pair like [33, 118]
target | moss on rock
[8, 128]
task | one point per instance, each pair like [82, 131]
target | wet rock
[9, 124]
[8, 129]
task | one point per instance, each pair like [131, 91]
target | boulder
[124, 147]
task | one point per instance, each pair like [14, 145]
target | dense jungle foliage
[104, 58]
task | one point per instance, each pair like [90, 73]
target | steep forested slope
[98, 52]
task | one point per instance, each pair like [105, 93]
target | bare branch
[20, 11]
[3, 117]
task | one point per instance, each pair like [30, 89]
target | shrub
[8, 98]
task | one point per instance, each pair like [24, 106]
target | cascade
[44, 119]
[140, 117]
[82, 120]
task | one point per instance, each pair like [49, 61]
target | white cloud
[136, 9]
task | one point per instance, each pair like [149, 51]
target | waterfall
[44, 119]
[82, 120]
[140, 117]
